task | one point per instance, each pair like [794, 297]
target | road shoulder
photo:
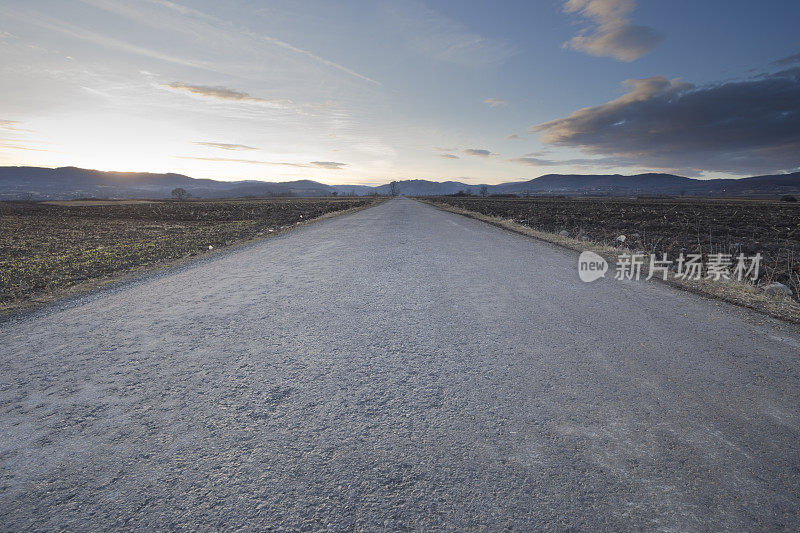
[738, 294]
[74, 294]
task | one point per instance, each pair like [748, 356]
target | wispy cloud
[741, 127]
[9, 124]
[328, 165]
[18, 147]
[512, 137]
[533, 161]
[480, 152]
[224, 93]
[495, 102]
[438, 37]
[789, 60]
[449, 156]
[226, 146]
[611, 33]
[319, 59]
[587, 162]
[82, 34]
[202, 25]
[14, 137]
[247, 161]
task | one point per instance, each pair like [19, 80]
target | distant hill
[600, 184]
[613, 185]
[652, 184]
[428, 188]
[69, 182]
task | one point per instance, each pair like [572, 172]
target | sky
[363, 92]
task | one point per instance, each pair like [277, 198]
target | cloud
[18, 147]
[534, 161]
[75, 32]
[329, 165]
[610, 33]
[449, 156]
[512, 137]
[440, 149]
[200, 25]
[433, 35]
[12, 140]
[740, 127]
[495, 102]
[248, 161]
[223, 93]
[480, 152]
[790, 60]
[226, 146]
[582, 162]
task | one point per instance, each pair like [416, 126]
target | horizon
[376, 184]
[344, 93]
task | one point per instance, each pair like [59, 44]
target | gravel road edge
[738, 294]
[92, 288]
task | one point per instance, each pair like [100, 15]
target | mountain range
[36, 183]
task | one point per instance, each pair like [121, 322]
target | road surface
[398, 368]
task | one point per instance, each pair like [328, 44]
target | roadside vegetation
[664, 225]
[50, 247]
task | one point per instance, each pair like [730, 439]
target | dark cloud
[449, 156]
[790, 60]
[742, 127]
[226, 146]
[480, 152]
[611, 34]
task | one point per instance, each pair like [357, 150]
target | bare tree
[394, 188]
[180, 194]
[484, 190]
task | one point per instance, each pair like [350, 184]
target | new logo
[591, 266]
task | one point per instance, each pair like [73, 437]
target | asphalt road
[398, 368]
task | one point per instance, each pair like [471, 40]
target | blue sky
[367, 91]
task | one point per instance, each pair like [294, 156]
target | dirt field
[75, 203]
[46, 248]
[670, 226]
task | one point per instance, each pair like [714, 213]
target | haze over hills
[35, 183]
